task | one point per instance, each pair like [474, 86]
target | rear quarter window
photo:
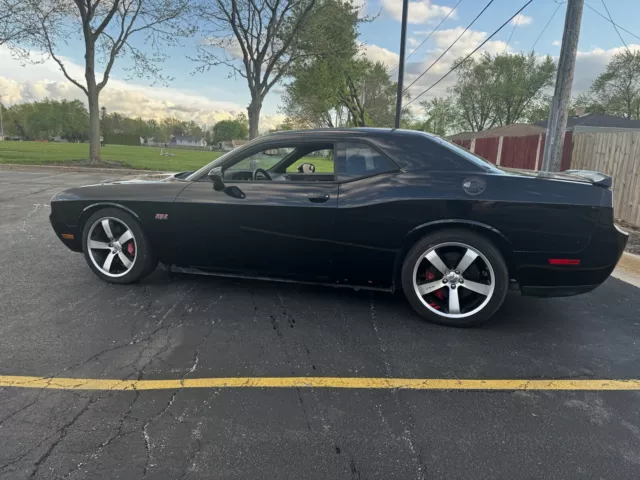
[416, 151]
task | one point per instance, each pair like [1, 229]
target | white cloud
[380, 54]
[230, 45]
[590, 64]
[20, 84]
[521, 20]
[420, 11]
[556, 43]
[443, 39]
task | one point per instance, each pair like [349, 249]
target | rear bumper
[538, 277]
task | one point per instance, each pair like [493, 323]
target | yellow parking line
[315, 382]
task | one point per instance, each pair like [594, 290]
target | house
[187, 141]
[227, 146]
[513, 130]
[597, 120]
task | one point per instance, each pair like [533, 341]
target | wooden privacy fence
[616, 154]
[516, 152]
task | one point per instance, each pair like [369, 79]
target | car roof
[356, 131]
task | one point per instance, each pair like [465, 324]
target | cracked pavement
[58, 319]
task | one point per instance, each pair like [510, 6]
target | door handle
[320, 199]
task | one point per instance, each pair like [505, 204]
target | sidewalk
[628, 269]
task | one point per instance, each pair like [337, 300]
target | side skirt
[197, 271]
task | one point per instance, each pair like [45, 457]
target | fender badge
[162, 216]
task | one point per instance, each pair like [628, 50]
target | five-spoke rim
[454, 280]
[112, 246]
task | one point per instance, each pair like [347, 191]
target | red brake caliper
[438, 293]
[131, 248]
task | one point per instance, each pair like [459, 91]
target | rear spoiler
[596, 178]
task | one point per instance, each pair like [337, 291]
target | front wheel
[116, 248]
[455, 278]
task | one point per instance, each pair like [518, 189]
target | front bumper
[64, 232]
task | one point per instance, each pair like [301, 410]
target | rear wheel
[116, 248]
[455, 278]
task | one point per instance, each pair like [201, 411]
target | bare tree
[106, 29]
[14, 23]
[257, 39]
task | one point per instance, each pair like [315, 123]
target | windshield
[207, 168]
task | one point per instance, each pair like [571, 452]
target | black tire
[144, 262]
[479, 243]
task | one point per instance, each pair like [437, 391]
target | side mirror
[215, 175]
[306, 168]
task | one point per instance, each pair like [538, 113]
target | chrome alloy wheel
[454, 280]
[112, 247]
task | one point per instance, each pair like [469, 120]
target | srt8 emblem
[162, 216]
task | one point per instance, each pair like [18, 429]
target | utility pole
[403, 41]
[557, 123]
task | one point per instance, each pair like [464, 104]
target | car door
[259, 228]
[366, 221]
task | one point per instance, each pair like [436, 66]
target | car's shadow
[518, 313]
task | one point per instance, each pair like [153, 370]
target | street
[57, 319]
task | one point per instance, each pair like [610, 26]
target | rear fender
[495, 236]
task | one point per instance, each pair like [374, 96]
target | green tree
[474, 95]
[358, 93]
[519, 80]
[46, 119]
[500, 89]
[441, 116]
[333, 86]
[587, 102]
[618, 87]
[227, 130]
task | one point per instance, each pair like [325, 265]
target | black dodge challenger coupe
[362, 208]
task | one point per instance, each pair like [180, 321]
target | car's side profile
[364, 208]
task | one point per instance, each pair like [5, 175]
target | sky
[215, 95]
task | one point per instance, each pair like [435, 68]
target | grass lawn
[143, 158]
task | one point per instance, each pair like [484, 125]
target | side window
[265, 159]
[316, 161]
[286, 162]
[360, 160]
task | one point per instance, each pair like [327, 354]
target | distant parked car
[400, 210]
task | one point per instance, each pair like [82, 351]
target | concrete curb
[64, 168]
[628, 269]
[630, 261]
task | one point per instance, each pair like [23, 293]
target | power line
[614, 26]
[609, 20]
[450, 46]
[431, 33]
[545, 27]
[512, 30]
[468, 56]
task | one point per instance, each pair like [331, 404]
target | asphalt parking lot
[58, 320]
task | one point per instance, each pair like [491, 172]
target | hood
[166, 183]
[164, 177]
[148, 178]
